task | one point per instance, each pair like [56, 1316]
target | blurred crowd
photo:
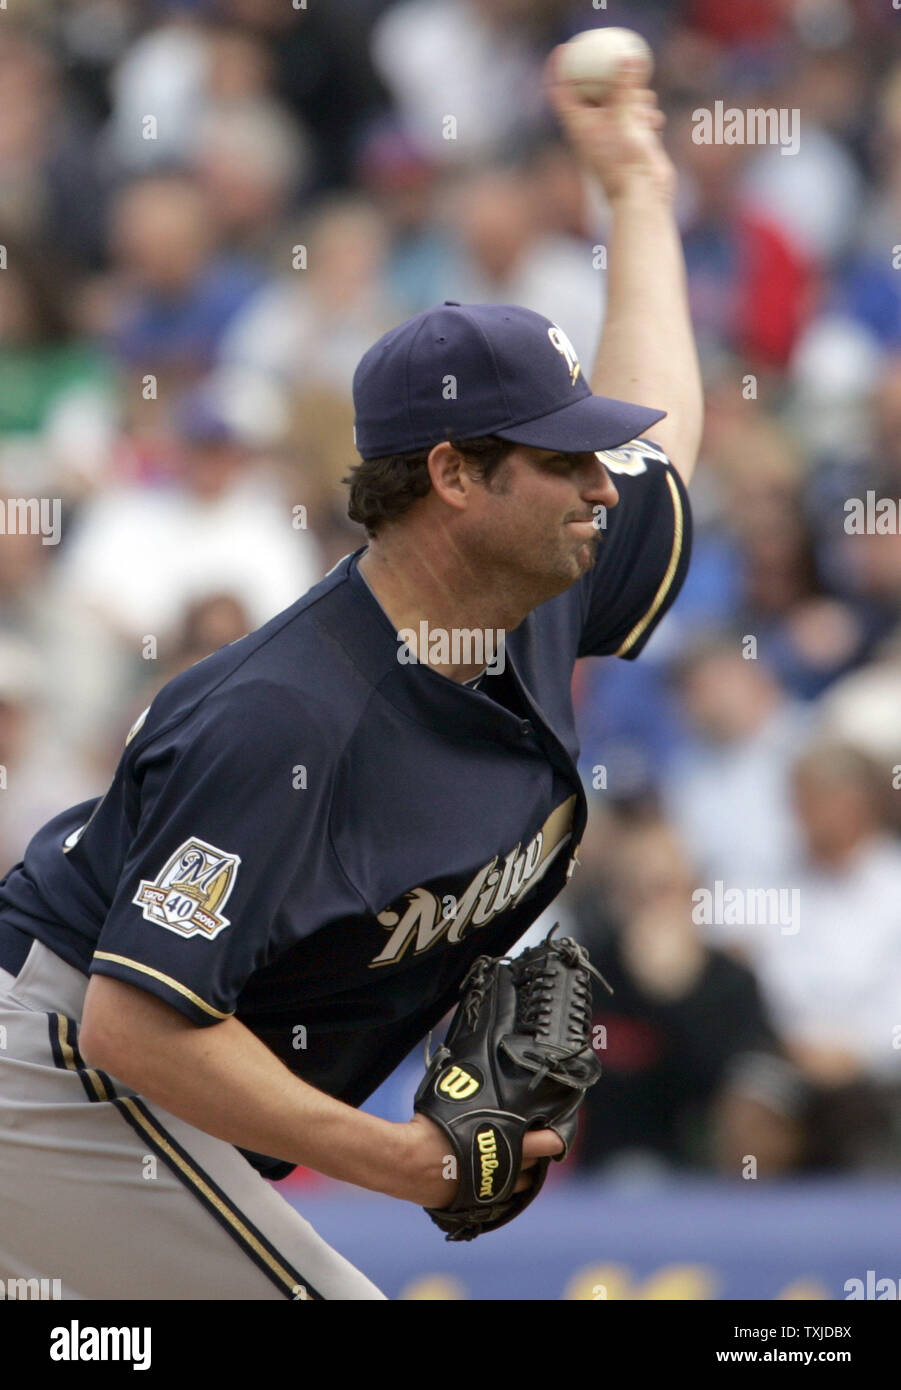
[210, 209]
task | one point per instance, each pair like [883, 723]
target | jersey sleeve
[225, 811]
[643, 556]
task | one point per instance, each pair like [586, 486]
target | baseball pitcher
[323, 836]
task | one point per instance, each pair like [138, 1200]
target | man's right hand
[618, 141]
[432, 1165]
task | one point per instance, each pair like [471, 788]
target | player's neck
[418, 588]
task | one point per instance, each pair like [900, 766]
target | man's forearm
[647, 352]
[225, 1081]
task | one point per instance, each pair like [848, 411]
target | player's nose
[598, 486]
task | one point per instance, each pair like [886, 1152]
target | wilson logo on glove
[458, 1084]
[490, 1154]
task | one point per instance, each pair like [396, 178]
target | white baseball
[590, 60]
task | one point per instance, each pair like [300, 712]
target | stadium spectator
[251, 156]
[51, 183]
[140, 556]
[464, 75]
[832, 984]
[861, 711]
[507, 257]
[683, 1033]
[751, 285]
[404, 185]
[311, 325]
[58, 408]
[815, 193]
[36, 767]
[322, 71]
[158, 90]
[174, 291]
[727, 790]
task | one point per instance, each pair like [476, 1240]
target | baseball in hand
[589, 62]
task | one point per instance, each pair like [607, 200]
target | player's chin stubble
[530, 564]
[559, 559]
[581, 551]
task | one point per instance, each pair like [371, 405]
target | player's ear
[450, 476]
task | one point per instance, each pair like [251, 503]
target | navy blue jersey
[312, 835]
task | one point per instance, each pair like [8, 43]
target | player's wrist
[376, 1154]
[427, 1170]
[640, 189]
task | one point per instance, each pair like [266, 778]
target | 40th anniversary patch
[188, 896]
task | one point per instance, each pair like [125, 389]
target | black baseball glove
[517, 1056]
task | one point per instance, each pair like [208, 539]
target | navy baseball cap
[460, 371]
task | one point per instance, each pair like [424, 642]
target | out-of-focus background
[209, 211]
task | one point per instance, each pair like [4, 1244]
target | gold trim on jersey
[164, 979]
[668, 577]
[241, 1230]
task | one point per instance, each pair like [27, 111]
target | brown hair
[383, 489]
